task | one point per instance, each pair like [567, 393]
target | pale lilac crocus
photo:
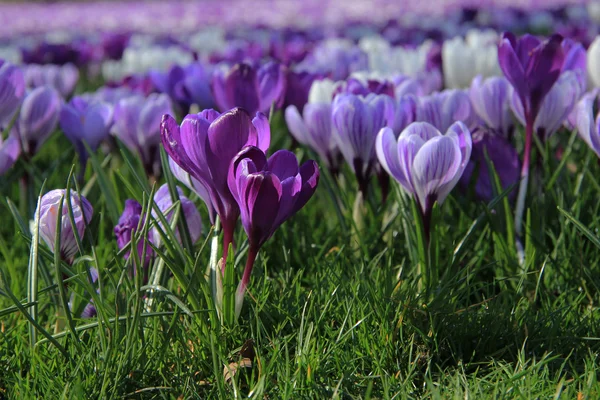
[137, 125]
[12, 91]
[442, 109]
[189, 212]
[490, 101]
[63, 78]
[48, 218]
[588, 123]
[37, 118]
[426, 163]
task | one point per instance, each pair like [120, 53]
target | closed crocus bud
[189, 212]
[248, 87]
[425, 162]
[12, 91]
[357, 120]
[129, 223]
[84, 122]
[593, 62]
[464, 59]
[587, 123]
[10, 150]
[48, 218]
[268, 193]
[532, 67]
[490, 100]
[575, 60]
[204, 146]
[504, 158]
[137, 125]
[194, 185]
[442, 109]
[63, 78]
[38, 117]
[556, 107]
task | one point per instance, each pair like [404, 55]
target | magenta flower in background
[61, 77]
[204, 146]
[268, 192]
[503, 156]
[137, 125]
[490, 101]
[425, 162]
[48, 217]
[248, 87]
[356, 121]
[37, 118]
[189, 212]
[84, 122]
[12, 91]
[185, 85]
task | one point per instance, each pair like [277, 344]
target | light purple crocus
[357, 120]
[268, 192]
[189, 212]
[588, 123]
[490, 101]
[37, 118]
[86, 122]
[556, 107]
[185, 85]
[502, 155]
[12, 91]
[442, 109]
[63, 78]
[126, 228]
[10, 150]
[137, 125]
[195, 186]
[48, 218]
[254, 89]
[425, 162]
[204, 146]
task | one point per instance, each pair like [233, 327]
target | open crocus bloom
[425, 162]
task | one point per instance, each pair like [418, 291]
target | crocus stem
[524, 175]
[241, 290]
[227, 240]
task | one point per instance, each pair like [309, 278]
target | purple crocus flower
[137, 125]
[358, 86]
[357, 120]
[10, 150]
[185, 86]
[425, 162]
[12, 91]
[254, 89]
[204, 146]
[114, 44]
[84, 122]
[442, 109]
[268, 192]
[575, 60]
[556, 107]
[48, 217]
[164, 201]
[61, 77]
[502, 155]
[89, 311]
[129, 223]
[490, 100]
[405, 113]
[532, 67]
[298, 86]
[194, 185]
[38, 118]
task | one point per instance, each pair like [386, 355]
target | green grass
[331, 313]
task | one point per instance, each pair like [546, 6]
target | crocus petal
[386, 147]
[263, 129]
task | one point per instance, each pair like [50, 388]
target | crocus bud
[12, 91]
[63, 78]
[38, 118]
[442, 109]
[137, 125]
[48, 211]
[504, 158]
[84, 122]
[425, 162]
[10, 150]
[189, 212]
[490, 100]
[89, 311]
[129, 222]
[254, 89]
